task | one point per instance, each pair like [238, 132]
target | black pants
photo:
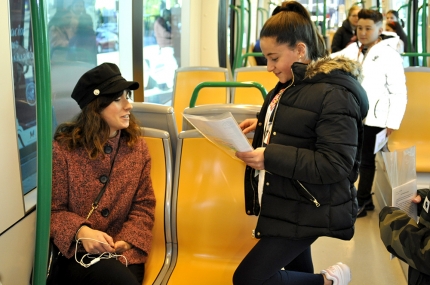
[263, 264]
[104, 272]
[367, 167]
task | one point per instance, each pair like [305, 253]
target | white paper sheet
[223, 131]
[402, 198]
[381, 140]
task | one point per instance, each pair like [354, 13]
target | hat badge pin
[96, 92]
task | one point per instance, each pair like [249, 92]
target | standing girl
[300, 178]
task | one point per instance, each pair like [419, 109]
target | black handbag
[53, 266]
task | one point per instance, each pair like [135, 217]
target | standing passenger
[346, 35]
[385, 84]
[299, 180]
[102, 147]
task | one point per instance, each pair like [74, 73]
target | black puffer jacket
[342, 37]
[314, 153]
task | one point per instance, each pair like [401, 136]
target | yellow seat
[159, 259]
[160, 117]
[186, 80]
[211, 231]
[415, 126]
[255, 73]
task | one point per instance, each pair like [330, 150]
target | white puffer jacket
[383, 79]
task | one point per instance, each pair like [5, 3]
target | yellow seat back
[212, 231]
[416, 123]
[251, 95]
[159, 258]
[186, 80]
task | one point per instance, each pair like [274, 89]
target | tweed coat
[125, 211]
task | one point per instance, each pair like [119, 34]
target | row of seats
[187, 78]
[415, 126]
[201, 231]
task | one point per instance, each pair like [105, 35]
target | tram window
[24, 89]
[82, 34]
[161, 51]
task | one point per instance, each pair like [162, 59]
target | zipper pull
[317, 204]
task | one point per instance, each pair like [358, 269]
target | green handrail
[239, 34]
[44, 138]
[407, 5]
[248, 54]
[423, 29]
[263, 19]
[225, 84]
[248, 33]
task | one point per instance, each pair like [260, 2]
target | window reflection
[162, 34]
[82, 34]
[25, 96]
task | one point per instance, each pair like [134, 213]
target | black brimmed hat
[102, 80]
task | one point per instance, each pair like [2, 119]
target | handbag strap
[102, 191]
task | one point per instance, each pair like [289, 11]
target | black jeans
[367, 167]
[264, 262]
[104, 272]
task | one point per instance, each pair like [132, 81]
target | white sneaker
[339, 273]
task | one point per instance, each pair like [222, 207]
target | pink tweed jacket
[126, 210]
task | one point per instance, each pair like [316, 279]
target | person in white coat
[385, 84]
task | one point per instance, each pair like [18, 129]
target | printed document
[381, 140]
[402, 198]
[223, 131]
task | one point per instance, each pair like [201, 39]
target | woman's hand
[121, 246]
[248, 125]
[95, 241]
[389, 132]
[254, 159]
[417, 199]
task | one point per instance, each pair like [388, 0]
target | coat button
[105, 212]
[103, 179]
[108, 149]
[248, 212]
[274, 133]
[259, 123]
[267, 183]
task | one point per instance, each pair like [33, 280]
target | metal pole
[44, 138]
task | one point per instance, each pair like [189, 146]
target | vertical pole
[44, 138]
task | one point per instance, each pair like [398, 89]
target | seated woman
[102, 198]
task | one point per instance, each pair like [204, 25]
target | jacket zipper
[309, 195]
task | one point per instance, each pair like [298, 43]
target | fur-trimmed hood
[340, 71]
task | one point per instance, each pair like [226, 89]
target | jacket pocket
[305, 193]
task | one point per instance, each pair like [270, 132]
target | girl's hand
[248, 125]
[389, 131]
[121, 246]
[254, 159]
[95, 241]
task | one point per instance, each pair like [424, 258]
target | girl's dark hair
[396, 14]
[90, 131]
[290, 24]
[373, 15]
[399, 31]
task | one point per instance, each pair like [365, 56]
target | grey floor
[365, 254]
